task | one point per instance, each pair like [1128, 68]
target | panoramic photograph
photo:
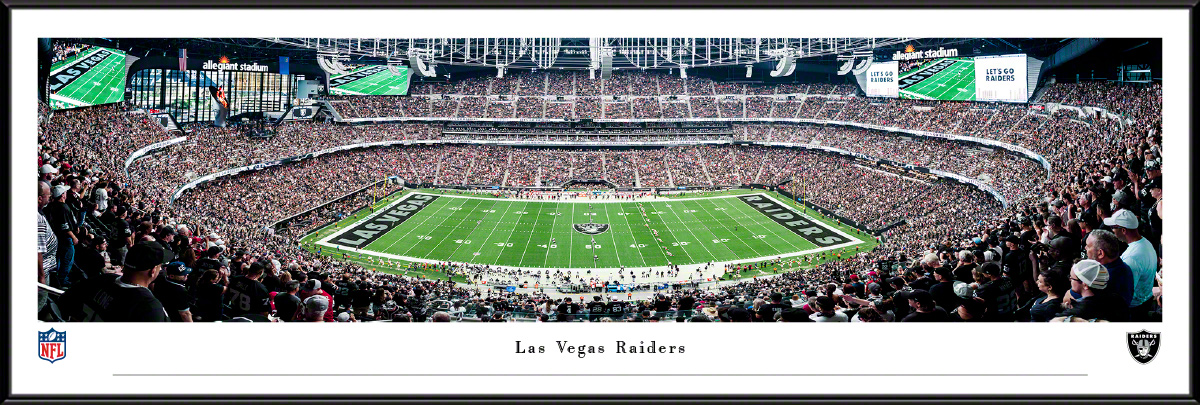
[579, 180]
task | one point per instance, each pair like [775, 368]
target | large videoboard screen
[83, 76]
[938, 79]
[371, 80]
[983, 78]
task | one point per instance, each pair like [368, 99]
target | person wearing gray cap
[119, 298]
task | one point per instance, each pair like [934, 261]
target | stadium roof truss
[587, 53]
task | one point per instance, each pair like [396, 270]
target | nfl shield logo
[1143, 345]
[52, 345]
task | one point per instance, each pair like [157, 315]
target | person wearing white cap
[1142, 260]
[1090, 279]
[48, 172]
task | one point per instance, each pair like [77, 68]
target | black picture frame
[7, 396]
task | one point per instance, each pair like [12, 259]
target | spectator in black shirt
[123, 298]
[328, 285]
[662, 304]
[687, 304]
[998, 294]
[1016, 260]
[287, 304]
[596, 309]
[943, 292]
[923, 280]
[898, 288]
[66, 228]
[247, 295]
[270, 278]
[966, 263]
[171, 292]
[360, 299]
[1053, 284]
[207, 261]
[90, 260]
[924, 309]
[341, 292]
[568, 309]
[616, 309]
[121, 238]
[209, 292]
[768, 312]
[166, 237]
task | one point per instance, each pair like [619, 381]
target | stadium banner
[1001, 78]
[149, 148]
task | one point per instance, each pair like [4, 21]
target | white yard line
[611, 234]
[510, 232]
[698, 241]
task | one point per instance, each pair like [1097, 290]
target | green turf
[518, 233]
[382, 83]
[956, 83]
[102, 84]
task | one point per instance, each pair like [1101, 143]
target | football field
[942, 79]
[371, 80]
[95, 77]
[601, 234]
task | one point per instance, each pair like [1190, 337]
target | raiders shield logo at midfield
[591, 228]
[1143, 345]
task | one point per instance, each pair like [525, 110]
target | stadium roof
[567, 53]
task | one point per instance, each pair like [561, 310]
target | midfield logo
[591, 228]
[1143, 345]
[52, 345]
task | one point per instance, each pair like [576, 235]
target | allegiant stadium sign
[236, 67]
[910, 53]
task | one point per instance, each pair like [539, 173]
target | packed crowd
[99, 230]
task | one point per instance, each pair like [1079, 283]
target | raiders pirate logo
[1143, 345]
[591, 228]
